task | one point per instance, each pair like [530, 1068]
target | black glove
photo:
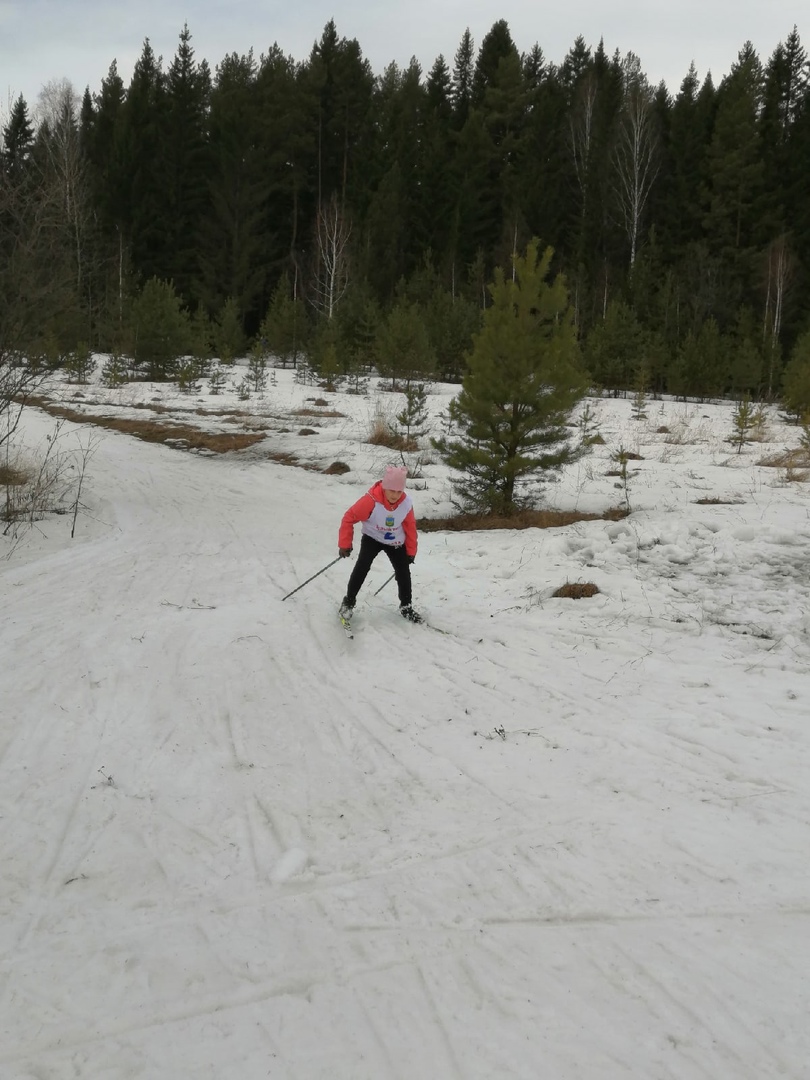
[344, 552]
[411, 558]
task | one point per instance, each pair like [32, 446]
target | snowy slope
[563, 840]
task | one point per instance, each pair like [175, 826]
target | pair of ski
[348, 628]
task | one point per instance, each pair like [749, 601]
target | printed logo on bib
[389, 522]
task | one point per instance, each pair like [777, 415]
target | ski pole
[303, 583]
[385, 583]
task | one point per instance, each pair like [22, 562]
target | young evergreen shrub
[79, 364]
[114, 371]
[218, 379]
[743, 422]
[257, 372]
[187, 376]
[413, 419]
[523, 382]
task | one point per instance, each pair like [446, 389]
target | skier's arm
[359, 511]
[409, 526]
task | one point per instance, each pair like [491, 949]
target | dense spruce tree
[286, 109]
[102, 142]
[143, 206]
[733, 216]
[547, 176]
[684, 178]
[462, 82]
[395, 233]
[503, 107]
[232, 237]
[17, 139]
[184, 163]
[524, 379]
[496, 46]
[342, 83]
[436, 202]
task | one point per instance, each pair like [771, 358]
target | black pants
[369, 550]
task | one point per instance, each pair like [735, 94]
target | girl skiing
[388, 524]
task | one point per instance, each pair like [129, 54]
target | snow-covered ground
[565, 840]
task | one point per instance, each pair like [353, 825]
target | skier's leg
[369, 550]
[402, 572]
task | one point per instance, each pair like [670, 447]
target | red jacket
[362, 510]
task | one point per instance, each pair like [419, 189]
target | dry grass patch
[179, 436]
[525, 519]
[382, 435]
[787, 459]
[796, 476]
[13, 477]
[283, 457]
[337, 468]
[306, 411]
[714, 500]
[576, 590]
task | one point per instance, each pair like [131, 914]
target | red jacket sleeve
[359, 511]
[409, 525]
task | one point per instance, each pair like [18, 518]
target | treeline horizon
[356, 208]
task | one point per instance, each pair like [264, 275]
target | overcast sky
[44, 40]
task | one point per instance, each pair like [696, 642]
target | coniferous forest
[319, 211]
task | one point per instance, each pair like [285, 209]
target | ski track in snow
[557, 841]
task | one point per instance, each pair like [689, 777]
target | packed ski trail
[563, 841]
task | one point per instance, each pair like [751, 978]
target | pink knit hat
[394, 478]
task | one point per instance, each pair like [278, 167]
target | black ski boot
[408, 612]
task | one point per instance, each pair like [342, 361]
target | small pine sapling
[588, 425]
[304, 375]
[743, 421]
[329, 367]
[187, 375]
[79, 364]
[759, 428]
[114, 371]
[621, 457]
[639, 411]
[413, 420]
[356, 383]
[217, 379]
[257, 372]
